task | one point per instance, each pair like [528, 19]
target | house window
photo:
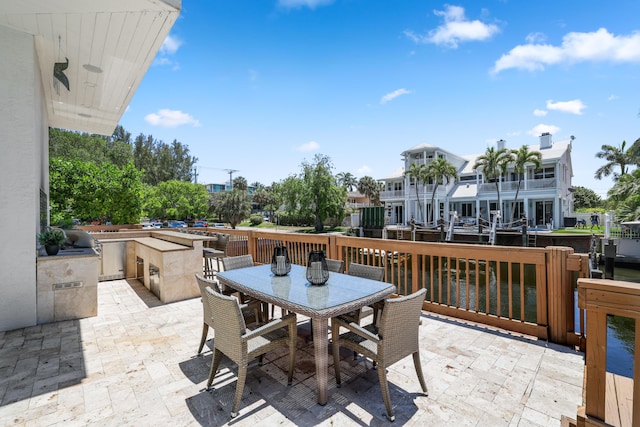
[397, 186]
[466, 209]
[544, 173]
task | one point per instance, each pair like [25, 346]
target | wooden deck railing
[600, 298]
[526, 290]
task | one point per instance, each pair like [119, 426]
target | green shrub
[255, 219]
[51, 236]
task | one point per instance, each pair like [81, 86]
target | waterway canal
[621, 333]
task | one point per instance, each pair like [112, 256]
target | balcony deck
[135, 364]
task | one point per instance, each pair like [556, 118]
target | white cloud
[539, 113]
[162, 61]
[597, 46]
[574, 107]
[456, 29]
[170, 118]
[535, 38]
[612, 97]
[542, 128]
[311, 4]
[393, 95]
[364, 170]
[170, 45]
[309, 146]
[514, 133]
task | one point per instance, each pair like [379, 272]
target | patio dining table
[339, 295]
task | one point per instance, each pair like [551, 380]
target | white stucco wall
[23, 152]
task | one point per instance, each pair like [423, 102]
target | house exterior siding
[545, 196]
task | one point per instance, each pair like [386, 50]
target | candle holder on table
[317, 270]
[280, 262]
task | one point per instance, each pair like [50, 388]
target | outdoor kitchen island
[67, 285]
[166, 262]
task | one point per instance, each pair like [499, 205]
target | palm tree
[521, 157]
[615, 157]
[416, 173]
[623, 197]
[347, 180]
[240, 183]
[439, 171]
[370, 188]
[234, 206]
[493, 164]
[634, 152]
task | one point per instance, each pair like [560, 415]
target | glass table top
[294, 289]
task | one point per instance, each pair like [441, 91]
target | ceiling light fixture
[92, 68]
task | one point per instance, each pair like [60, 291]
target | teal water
[621, 333]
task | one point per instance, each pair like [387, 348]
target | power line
[229, 171]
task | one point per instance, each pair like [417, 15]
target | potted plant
[52, 239]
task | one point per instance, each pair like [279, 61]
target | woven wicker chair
[217, 252]
[235, 262]
[396, 338]
[241, 344]
[243, 261]
[251, 312]
[368, 272]
[335, 265]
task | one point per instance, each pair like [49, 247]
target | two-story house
[545, 196]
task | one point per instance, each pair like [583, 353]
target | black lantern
[317, 270]
[280, 262]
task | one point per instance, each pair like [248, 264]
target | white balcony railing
[392, 194]
[533, 184]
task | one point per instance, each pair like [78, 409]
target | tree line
[120, 179]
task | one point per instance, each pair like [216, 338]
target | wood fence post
[559, 294]
[252, 247]
[332, 248]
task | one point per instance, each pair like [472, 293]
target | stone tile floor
[135, 365]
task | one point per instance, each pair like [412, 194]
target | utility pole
[230, 172]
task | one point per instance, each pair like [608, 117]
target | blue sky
[259, 86]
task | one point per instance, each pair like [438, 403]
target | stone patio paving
[135, 365]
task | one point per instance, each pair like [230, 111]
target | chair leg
[205, 331]
[416, 362]
[335, 337]
[384, 386]
[217, 357]
[242, 376]
[293, 334]
[208, 268]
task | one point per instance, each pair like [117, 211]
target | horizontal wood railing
[526, 290]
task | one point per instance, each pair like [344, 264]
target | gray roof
[556, 151]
